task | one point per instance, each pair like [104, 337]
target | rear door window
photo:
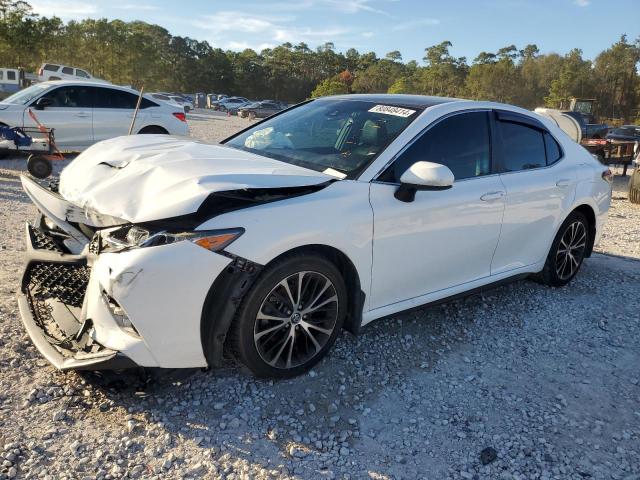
[51, 68]
[523, 147]
[67, 70]
[554, 153]
[112, 98]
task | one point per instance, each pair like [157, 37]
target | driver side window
[69, 97]
[461, 142]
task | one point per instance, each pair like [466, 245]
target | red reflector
[180, 116]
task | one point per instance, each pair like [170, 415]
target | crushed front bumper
[51, 300]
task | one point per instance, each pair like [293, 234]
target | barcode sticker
[390, 110]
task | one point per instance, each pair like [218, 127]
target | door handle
[563, 182]
[490, 196]
[82, 115]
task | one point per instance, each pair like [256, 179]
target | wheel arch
[157, 129]
[229, 288]
[588, 211]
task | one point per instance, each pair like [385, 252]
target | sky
[377, 25]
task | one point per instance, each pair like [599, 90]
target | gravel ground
[521, 382]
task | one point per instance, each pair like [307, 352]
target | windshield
[632, 131]
[25, 96]
[339, 137]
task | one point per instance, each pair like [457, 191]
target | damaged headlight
[137, 237]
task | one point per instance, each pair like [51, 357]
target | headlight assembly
[137, 237]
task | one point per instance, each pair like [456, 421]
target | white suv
[83, 113]
[52, 71]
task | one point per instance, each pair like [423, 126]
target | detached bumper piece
[51, 301]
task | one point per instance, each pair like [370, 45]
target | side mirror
[423, 176]
[43, 102]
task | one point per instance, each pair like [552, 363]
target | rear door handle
[490, 196]
[563, 182]
[82, 115]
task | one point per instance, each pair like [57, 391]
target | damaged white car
[165, 252]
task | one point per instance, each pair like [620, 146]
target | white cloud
[582, 3]
[413, 24]
[69, 10]
[137, 6]
[239, 46]
[354, 6]
[367, 34]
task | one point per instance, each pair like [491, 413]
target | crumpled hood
[141, 178]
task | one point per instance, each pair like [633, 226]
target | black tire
[39, 166]
[153, 130]
[5, 154]
[560, 267]
[634, 186]
[247, 329]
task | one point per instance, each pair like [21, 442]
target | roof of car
[418, 101]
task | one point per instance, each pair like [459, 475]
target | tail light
[40, 72]
[180, 116]
[607, 175]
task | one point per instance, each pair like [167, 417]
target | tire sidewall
[246, 318]
[550, 276]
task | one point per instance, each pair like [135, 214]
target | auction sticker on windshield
[390, 110]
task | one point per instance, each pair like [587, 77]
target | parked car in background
[9, 81]
[186, 104]
[232, 103]
[263, 109]
[240, 247]
[627, 133]
[52, 71]
[83, 113]
[164, 97]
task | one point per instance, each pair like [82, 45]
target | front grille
[66, 283]
[42, 241]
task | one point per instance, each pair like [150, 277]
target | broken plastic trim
[218, 203]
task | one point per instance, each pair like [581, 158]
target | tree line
[137, 53]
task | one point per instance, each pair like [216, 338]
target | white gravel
[538, 382]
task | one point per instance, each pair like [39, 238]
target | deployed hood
[142, 178]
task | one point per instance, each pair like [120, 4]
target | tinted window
[81, 73]
[11, 75]
[70, 97]
[460, 142]
[51, 68]
[1, 74]
[111, 98]
[269, 105]
[553, 149]
[67, 70]
[522, 147]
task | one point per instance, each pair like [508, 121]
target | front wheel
[291, 317]
[567, 251]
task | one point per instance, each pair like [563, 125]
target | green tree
[330, 86]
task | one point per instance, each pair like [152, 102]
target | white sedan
[83, 113]
[165, 252]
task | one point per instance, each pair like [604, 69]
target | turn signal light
[180, 116]
[216, 242]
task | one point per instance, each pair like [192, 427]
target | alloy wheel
[571, 250]
[296, 320]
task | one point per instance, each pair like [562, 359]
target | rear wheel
[39, 166]
[567, 251]
[153, 130]
[291, 317]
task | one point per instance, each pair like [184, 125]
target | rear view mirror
[423, 176]
[43, 102]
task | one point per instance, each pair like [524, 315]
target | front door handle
[563, 182]
[82, 115]
[491, 196]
